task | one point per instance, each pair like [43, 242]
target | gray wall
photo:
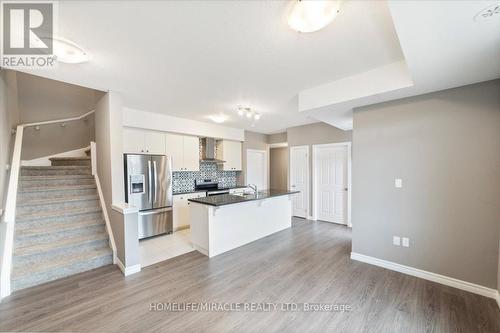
[317, 133]
[53, 139]
[278, 168]
[277, 138]
[41, 99]
[8, 120]
[446, 148]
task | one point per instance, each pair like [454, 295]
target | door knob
[345, 189]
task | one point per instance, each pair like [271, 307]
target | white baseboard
[311, 218]
[447, 281]
[128, 270]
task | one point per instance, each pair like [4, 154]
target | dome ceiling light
[69, 52]
[312, 15]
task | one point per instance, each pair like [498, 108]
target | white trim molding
[308, 178]
[277, 145]
[128, 270]
[348, 146]
[442, 279]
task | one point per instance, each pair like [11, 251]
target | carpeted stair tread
[72, 158]
[61, 266]
[42, 248]
[56, 227]
[56, 167]
[57, 200]
[56, 188]
[59, 261]
[54, 177]
[56, 213]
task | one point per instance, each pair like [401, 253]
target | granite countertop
[228, 199]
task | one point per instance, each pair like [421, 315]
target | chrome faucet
[253, 187]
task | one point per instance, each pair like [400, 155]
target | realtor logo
[27, 34]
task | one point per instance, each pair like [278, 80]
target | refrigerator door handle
[150, 181]
[155, 182]
[155, 211]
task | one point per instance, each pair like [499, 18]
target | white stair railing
[10, 204]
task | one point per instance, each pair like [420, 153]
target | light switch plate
[398, 183]
[396, 240]
[406, 242]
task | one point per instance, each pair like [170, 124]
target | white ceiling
[443, 46]
[193, 59]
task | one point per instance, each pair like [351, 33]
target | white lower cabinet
[181, 209]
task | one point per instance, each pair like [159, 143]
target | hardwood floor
[307, 263]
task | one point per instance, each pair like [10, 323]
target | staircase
[60, 229]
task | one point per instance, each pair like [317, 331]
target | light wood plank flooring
[307, 263]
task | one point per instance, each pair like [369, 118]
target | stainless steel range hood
[208, 151]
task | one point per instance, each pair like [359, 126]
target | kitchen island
[223, 222]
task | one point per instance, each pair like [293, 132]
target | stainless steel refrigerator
[148, 179]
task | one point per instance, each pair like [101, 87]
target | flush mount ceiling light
[218, 118]
[312, 15]
[69, 52]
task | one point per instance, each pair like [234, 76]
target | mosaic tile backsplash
[183, 181]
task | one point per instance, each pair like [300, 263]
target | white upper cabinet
[184, 151]
[191, 153]
[141, 141]
[154, 142]
[229, 151]
[133, 140]
[174, 149]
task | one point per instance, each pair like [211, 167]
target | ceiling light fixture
[69, 52]
[247, 112]
[218, 118]
[312, 15]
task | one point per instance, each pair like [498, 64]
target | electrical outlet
[406, 242]
[396, 240]
[398, 183]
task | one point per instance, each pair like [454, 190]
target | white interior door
[299, 179]
[257, 168]
[331, 183]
